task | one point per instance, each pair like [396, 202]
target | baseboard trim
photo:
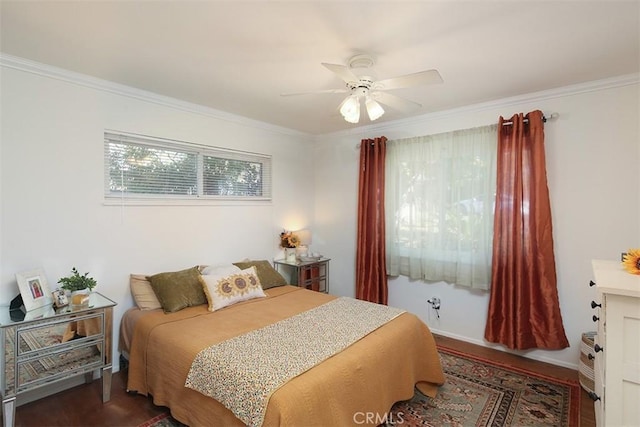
[483, 343]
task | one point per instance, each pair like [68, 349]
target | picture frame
[59, 298]
[34, 289]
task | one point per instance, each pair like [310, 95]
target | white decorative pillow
[223, 290]
[224, 269]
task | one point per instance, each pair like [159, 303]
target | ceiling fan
[361, 85]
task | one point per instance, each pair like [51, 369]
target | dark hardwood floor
[82, 405]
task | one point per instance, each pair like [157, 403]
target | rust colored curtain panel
[524, 310]
[371, 269]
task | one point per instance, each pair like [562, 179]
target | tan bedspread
[367, 377]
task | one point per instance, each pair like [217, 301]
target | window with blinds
[142, 167]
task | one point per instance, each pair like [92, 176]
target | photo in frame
[59, 298]
[34, 289]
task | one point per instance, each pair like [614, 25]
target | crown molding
[592, 86]
[33, 67]
[25, 65]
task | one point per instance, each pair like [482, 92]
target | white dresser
[617, 346]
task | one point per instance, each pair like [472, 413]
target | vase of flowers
[289, 241]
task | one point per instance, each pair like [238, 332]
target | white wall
[52, 181]
[53, 216]
[592, 166]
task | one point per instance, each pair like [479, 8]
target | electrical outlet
[435, 303]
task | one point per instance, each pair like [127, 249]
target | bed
[358, 383]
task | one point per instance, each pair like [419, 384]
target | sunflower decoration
[289, 239]
[631, 261]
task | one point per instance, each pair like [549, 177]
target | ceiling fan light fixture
[350, 109]
[374, 109]
[363, 87]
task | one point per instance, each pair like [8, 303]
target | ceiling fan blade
[416, 79]
[395, 101]
[342, 71]
[315, 92]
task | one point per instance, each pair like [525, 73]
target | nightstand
[312, 275]
[47, 346]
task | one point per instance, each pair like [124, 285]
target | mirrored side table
[312, 275]
[47, 346]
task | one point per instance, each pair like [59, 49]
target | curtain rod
[545, 119]
[552, 116]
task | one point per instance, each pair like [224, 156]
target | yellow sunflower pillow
[223, 289]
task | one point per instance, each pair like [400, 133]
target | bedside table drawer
[313, 277]
[47, 336]
[59, 364]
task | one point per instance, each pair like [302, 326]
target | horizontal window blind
[141, 167]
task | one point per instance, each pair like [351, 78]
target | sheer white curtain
[440, 192]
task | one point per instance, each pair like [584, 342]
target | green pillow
[178, 289]
[268, 276]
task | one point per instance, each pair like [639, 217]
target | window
[439, 199]
[141, 167]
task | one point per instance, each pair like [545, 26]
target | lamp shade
[350, 109]
[305, 236]
[374, 109]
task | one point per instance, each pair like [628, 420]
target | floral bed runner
[243, 372]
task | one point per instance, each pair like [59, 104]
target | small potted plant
[79, 285]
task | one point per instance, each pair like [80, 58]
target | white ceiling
[239, 56]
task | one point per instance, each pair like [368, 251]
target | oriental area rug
[478, 392]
